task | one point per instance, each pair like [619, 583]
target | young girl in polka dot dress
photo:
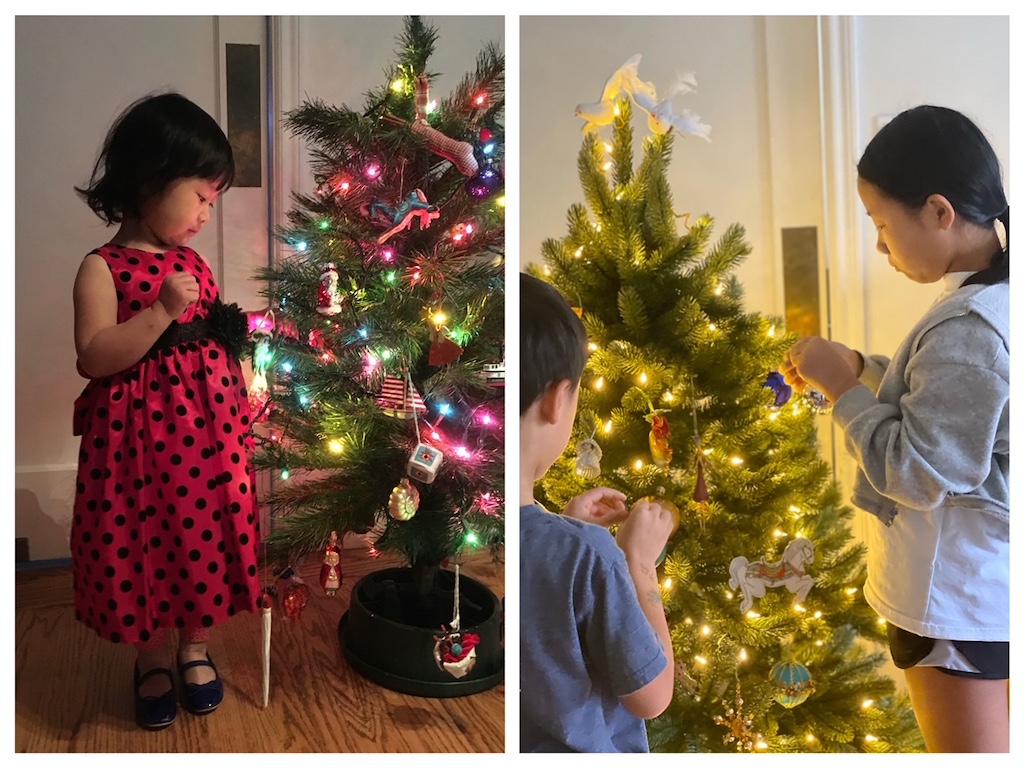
[164, 534]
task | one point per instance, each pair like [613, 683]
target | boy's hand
[602, 506]
[643, 535]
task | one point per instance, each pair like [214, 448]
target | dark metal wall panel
[242, 63]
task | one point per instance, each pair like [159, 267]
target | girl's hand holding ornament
[177, 293]
[828, 366]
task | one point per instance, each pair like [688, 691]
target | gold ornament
[739, 725]
[659, 498]
[404, 501]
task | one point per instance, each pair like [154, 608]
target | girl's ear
[940, 211]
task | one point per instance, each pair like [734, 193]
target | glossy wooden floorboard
[73, 690]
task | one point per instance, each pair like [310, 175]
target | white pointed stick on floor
[267, 618]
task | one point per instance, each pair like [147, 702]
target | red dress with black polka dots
[165, 526]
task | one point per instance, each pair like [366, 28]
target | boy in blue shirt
[595, 651]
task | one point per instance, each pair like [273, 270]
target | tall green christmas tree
[380, 369]
[761, 582]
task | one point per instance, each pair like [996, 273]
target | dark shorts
[992, 660]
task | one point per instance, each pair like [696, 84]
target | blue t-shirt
[584, 641]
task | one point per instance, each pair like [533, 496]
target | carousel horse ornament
[754, 578]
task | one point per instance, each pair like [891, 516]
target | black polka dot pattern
[165, 530]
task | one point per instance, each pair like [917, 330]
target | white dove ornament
[660, 116]
[621, 82]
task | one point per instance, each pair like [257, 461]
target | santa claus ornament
[330, 571]
[328, 298]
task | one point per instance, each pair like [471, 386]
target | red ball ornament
[485, 134]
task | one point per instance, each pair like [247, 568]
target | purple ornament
[484, 183]
[778, 385]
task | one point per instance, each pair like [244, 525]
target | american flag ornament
[400, 399]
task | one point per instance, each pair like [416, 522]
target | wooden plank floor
[73, 690]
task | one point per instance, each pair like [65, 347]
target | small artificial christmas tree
[384, 415]
[761, 582]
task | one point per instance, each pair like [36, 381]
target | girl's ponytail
[1004, 217]
[999, 271]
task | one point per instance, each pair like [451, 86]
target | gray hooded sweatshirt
[929, 431]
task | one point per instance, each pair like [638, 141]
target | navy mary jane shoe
[202, 699]
[154, 712]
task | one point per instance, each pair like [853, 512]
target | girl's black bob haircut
[159, 138]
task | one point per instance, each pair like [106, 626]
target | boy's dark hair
[552, 340]
[156, 140]
[936, 150]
